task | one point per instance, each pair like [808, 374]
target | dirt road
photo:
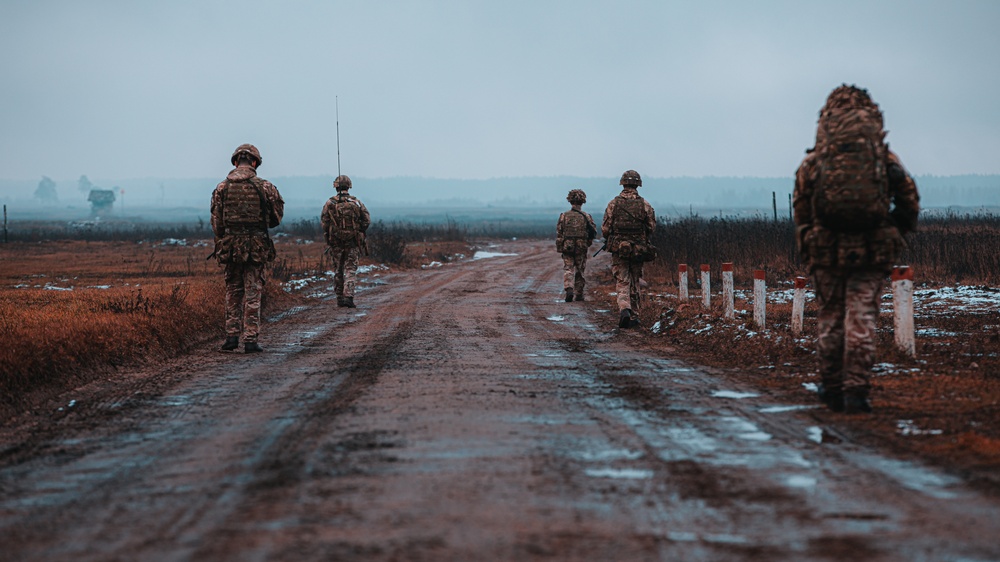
[462, 413]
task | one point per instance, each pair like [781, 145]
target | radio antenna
[336, 102]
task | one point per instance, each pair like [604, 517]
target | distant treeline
[671, 196]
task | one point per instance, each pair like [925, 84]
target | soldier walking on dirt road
[244, 206]
[575, 232]
[853, 202]
[345, 221]
[628, 223]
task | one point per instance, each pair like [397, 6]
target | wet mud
[462, 413]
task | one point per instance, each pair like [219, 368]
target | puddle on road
[917, 478]
[788, 408]
[800, 481]
[608, 455]
[815, 434]
[624, 473]
[733, 394]
[282, 315]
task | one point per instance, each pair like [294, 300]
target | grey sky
[485, 89]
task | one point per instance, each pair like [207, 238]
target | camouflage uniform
[848, 269]
[244, 206]
[629, 221]
[575, 232]
[345, 221]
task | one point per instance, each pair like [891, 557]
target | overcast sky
[466, 89]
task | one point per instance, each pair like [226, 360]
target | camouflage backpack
[346, 216]
[852, 188]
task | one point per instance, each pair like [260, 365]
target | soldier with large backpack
[345, 221]
[628, 224]
[575, 232]
[244, 206]
[853, 203]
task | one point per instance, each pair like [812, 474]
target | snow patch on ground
[481, 255]
[907, 427]
[733, 394]
[628, 473]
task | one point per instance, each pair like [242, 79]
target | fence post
[759, 299]
[682, 283]
[798, 305]
[902, 309]
[706, 286]
[728, 309]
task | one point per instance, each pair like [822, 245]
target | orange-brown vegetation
[70, 307]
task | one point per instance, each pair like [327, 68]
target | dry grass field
[68, 307]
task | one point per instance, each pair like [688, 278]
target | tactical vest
[851, 193]
[575, 225]
[629, 216]
[242, 207]
[345, 218]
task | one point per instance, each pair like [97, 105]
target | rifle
[602, 248]
[215, 250]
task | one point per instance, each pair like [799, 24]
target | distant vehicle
[102, 201]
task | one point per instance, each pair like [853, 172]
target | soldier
[244, 206]
[575, 232]
[853, 202]
[345, 221]
[628, 223]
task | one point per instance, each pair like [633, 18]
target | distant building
[102, 201]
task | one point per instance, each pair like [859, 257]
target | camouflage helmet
[246, 149]
[576, 197]
[342, 183]
[631, 178]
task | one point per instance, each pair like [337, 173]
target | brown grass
[129, 303]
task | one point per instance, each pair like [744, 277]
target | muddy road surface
[461, 413]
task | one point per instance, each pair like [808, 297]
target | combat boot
[232, 342]
[578, 297]
[834, 399]
[349, 302]
[625, 318]
[855, 403]
[252, 347]
[569, 295]
[341, 302]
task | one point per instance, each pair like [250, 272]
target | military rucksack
[345, 215]
[851, 193]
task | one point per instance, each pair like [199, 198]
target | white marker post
[759, 298]
[728, 309]
[902, 309]
[706, 286]
[682, 283]
[798, 305]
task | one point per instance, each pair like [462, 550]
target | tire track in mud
[465, 413]
[670, 421]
